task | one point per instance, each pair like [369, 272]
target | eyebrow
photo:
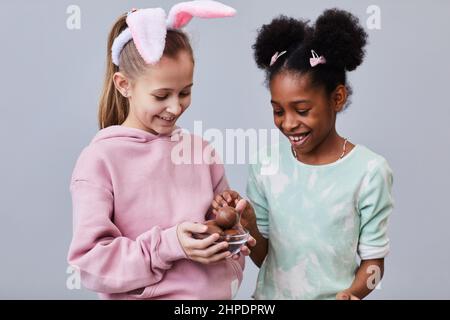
[299, 102]
[293, 102]
[169, 89]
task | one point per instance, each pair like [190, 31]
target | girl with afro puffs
[320, 222]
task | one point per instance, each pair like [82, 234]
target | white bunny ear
[148, 29]
[182, 13]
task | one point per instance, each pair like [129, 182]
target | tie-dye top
[319, 220]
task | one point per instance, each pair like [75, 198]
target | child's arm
[108, 260]
[367, 278]
[259, 251]
[375, 205]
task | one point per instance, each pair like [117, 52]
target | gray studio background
[51, 80]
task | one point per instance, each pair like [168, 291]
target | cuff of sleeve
[264, 231]
[170, 248]
[371, 252]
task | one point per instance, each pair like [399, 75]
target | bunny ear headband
[148, 27]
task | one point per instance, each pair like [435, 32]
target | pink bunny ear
[148, 28]
[182, 13]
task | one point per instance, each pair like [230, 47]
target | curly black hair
[337, 35]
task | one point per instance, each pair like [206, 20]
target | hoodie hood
[132, 134]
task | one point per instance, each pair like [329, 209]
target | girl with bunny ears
[330, 200]
[134, 209]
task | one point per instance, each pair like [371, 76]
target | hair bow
[275, 57]
[316, 60]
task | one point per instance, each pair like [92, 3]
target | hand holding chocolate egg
[226, 224]
[227, 217]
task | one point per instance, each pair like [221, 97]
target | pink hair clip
[275, 57]
[316, 60]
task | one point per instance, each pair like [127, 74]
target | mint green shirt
[318, 220]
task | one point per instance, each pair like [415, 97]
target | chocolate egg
[226, 217]
[231, 232]
[213, 227]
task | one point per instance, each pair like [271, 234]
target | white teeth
[298, 138]
[167, 119]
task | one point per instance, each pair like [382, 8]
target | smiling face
[160, 95]
[305, 114]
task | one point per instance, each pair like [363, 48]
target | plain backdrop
[50, 82]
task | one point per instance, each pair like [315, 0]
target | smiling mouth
[167, 119]
[299, 139]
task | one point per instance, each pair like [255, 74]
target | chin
[165, 130]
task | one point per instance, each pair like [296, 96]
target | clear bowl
[235, 242]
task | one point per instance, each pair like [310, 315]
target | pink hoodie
[128, 198]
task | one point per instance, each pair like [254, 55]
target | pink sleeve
[108, 261]
[217, 171]
[219, 183]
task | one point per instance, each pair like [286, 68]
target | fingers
[235, 195]
[219, 202]
[194, 244]
[211, 251]
[226, 198]
[241, 205]
[213, 259]
[346, 296]
[251, 241]
[342, 296]
[245, 251]
[212, 254]
[193, 227]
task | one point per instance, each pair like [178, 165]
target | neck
[328, 151]
[133, 122]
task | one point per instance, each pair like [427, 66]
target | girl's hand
[243, 207]
[228, 198]
[233, 199]
[245, 250]
[345, 295]
[203, 251]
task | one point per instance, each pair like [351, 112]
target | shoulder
[377, 172]
[371, 161]
[92, 162]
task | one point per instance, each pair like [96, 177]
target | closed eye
[161, 98]
[278, 112]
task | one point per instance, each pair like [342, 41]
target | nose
[175, 107]
[290, 123]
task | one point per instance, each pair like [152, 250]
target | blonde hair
[113, 106]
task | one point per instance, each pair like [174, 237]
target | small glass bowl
[235, 242]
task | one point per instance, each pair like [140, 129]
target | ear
[122, 84]
[339, 98]
[182, 13]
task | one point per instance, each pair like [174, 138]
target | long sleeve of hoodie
[108, 261]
